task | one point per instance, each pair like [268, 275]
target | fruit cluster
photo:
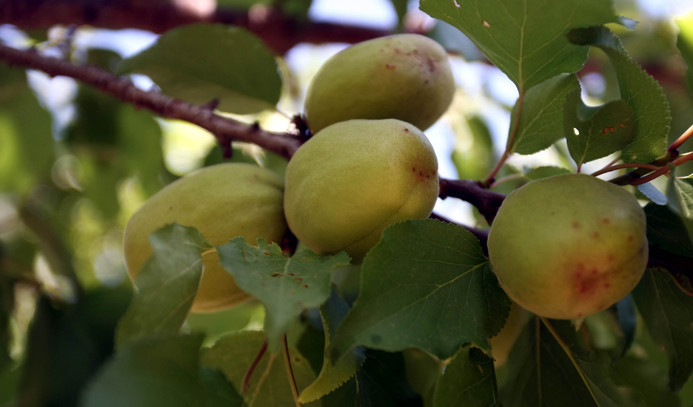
[561, 247]
[367, 166]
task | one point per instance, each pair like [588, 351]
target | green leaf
[647, 382]
[426, 284]
[684, 43]
[595, 132]
[382, 382]
[680, 196]
[199, 63]
[541, 118]
[333, 375]
[667, 230]
[167, 285]
[468, 380]
[159, 371]
[547, 369]
[269, 383]
[525, 39]
[642, 93]
[27, 152]
[285, 285]
[668, 313]
[473, 155]
[545, 171]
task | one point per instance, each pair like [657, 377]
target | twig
[279, 31]
[487, 202]
[224, 129]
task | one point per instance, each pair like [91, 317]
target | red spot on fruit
[266, 253]
[606, 221]
[576, 225]
[390, 66]
[596, 235]
[305, 285]
[607, 285]
[277, 274]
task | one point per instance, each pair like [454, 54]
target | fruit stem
[663, 169]
[487, 202]
[682, 139]
[611, 167]
[246, 379]
[510, 144]
[290, 371]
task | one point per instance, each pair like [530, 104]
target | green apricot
[353, 179]
[568, 246]
[222, 201]
[403, 76]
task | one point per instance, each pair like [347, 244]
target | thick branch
[280, 32]
[224, 129]
[487, 202]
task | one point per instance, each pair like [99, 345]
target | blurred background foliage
[76, 163]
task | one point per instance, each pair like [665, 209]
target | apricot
[403, 76]
[353, 179]
[222, 201]
[568, 246]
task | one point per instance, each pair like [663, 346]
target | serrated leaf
[426, 284]
[525, 39]
[641, 91]
[269, 383]
[158, 372]
[333, 375]
[546, 372]
[199, 63]
[285, 285]
[596, 131]
[668, 313]
[541, 118]
[467, 381]
[167, 284]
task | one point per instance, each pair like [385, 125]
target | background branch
[224, 129]
[279, 31]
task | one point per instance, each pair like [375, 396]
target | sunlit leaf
[595, 132]
[427, 285]
[199, 63]
[668, 313]
[167, 284]
[639, 90]
[285, 285]
[685, 43]
[525, 39]
[541, 117]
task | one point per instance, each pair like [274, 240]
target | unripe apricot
[353, 179]
[568, 246]
[222, 201]
[403, 76]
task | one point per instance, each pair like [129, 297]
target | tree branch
[280, 32]
[487, 202]
[224, 129]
